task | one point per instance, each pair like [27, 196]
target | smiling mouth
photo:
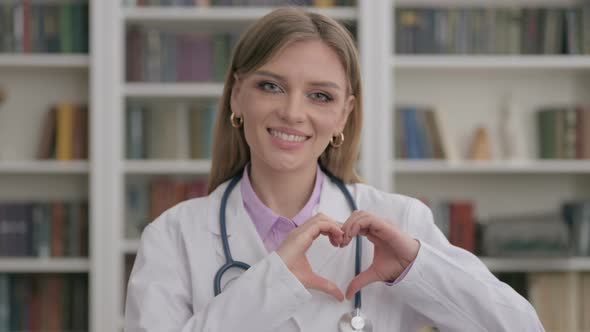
[287, 137]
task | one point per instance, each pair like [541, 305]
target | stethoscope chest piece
[354, 321]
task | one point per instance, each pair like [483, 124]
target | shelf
[44, 167]
[491, 167]
[44, 61]
[130, 246]
[577, 264]
[213, 16]
[44, 265]
[485, 3]
[167, 166]
[173, 90]
[493, 263]
[537, 62]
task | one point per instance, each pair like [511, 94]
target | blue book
[410, 129]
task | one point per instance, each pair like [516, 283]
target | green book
[65, 28]
[77, 27]
[4, 303]
[546, 133]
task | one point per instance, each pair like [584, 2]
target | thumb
[326, 286]
[363, 279]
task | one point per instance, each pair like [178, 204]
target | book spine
[64, 140]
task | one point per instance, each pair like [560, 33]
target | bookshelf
[38, 61]
[44, 167]
[34, 81]
[483, 62]
[168, 167]
[124, 172]
[39, 265]
[491, 167]
[469, 90]
[173, 90]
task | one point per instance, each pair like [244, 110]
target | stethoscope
[350, 321]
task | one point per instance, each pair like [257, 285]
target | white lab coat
[171, 285]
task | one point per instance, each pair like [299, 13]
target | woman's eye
[321, 97]
[269, 87]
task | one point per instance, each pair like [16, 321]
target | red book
[58, 220]
[463, 225]
[134, 55]
[56, 295]
[35, 307]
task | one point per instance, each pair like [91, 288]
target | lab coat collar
[247, 246]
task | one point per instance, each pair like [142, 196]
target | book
[64, 132]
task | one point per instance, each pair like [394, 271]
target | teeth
[287, 137]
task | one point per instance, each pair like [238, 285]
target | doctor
[290, 117]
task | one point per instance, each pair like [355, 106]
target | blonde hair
[256, 46]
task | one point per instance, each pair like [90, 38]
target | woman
[290, 119]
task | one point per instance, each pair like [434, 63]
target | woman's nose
[293, 110]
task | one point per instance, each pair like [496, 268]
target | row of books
[493, 31]
[559, 233]
[28, 26]
[456, 220]
[418, 133]
[550, 294]
[64, 132]
[154, 55]
[43, 302]
[170, 131]
[207, 3]
[145, 201]
[564, 132]
[44, 229]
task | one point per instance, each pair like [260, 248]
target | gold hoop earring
[235, 121]
[337, 141]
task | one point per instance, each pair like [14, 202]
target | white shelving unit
[483, 62]
[216, 15]
[173, 90]
[44, 265]
[44, 167]
[569, 264]
[44, 61]
[558, 167]
[468, 90]
[33, 82]
[168, 167]
[120, 91]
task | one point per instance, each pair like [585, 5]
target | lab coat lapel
[244, 242]
[334, 205]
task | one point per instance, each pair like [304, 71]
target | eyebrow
[281, 78]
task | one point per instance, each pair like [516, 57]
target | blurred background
[480, 108]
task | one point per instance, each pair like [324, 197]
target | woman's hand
[293, 250]
[393, 249]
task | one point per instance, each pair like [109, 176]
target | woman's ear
[348, 108]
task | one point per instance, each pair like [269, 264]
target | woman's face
[293, 105]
